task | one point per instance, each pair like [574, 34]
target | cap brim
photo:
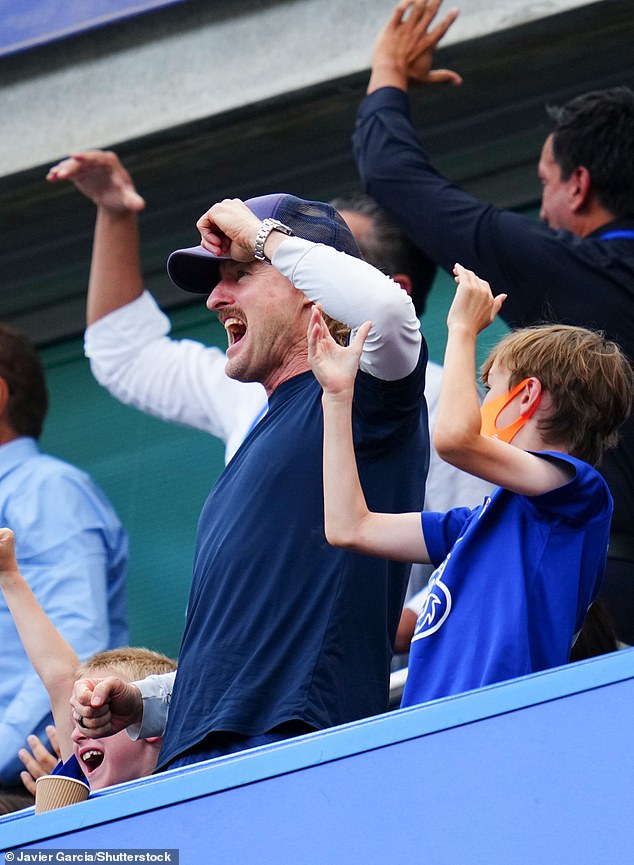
[195, 269]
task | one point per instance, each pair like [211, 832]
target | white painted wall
[96, 91]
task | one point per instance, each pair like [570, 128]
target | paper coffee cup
[57, 791]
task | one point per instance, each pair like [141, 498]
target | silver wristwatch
[268, 225]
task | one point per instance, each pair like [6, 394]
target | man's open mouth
[235, 328]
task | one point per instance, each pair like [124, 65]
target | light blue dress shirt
[72, 550]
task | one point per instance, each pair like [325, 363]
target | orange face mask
[490, 411]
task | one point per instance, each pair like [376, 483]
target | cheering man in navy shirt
[276, 641]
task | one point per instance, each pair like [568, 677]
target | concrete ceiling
[485, 135]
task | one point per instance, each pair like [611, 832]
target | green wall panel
[156, 474]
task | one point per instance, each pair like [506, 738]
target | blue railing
[536, 770]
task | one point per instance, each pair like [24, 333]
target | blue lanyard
[614, 235]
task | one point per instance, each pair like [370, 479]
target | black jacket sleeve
[547, 275]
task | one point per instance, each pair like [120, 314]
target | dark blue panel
[27, 23]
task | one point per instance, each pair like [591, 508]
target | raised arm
[457, 435]
[115, 271]
[53, 658]
[405, 47]
[72, 557]
[127, 337]
[349, 290]
[514, 252]
[348, 522]
[106, 706]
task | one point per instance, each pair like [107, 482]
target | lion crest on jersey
[436, 606]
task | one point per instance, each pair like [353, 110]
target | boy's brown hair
[588, 377]
[129, 662]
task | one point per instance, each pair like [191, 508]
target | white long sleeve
[352, 291]
[183, 381]
[156, 692]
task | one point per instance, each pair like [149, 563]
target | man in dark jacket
[577, 268]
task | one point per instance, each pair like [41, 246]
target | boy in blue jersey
[553, 271]
[515, 576]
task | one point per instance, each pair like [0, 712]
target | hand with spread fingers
[404, 50]
[101, 177]
[335, 366]
[103, 707]
[39, 760]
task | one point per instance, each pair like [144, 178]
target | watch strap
[268, 225]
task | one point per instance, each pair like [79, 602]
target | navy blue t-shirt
[280, 625]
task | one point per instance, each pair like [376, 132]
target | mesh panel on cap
[317, 221]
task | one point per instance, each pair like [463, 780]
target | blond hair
[588, 377]
[340, 332]
[128, 662]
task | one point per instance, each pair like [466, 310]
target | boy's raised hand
[335, 366]
[474, 307]
[8, 564]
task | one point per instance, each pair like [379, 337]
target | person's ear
[404, 281]
[580, 185]
[531, 395]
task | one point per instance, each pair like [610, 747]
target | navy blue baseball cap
[198, 270]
